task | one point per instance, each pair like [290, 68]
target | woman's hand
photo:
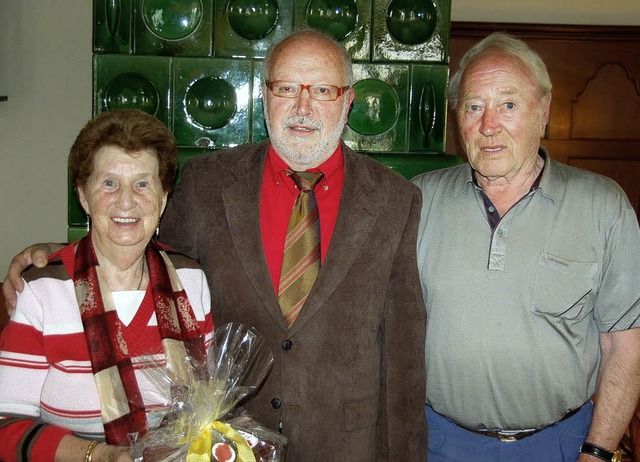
[109, 453]
[73, 449]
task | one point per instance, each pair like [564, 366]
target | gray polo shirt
[514, 315]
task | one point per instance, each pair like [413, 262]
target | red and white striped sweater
[45, 371]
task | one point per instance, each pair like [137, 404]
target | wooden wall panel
[608, 107]
[625, 172]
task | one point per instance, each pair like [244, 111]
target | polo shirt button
[287, 345]
[276, 403]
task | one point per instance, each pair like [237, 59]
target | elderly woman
[104, 308]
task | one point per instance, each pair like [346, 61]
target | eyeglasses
[320, 92]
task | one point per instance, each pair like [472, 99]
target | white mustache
[301, 120]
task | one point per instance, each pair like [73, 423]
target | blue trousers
[561, 442]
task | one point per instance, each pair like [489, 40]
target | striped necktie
[301, 259]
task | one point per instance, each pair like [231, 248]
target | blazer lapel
[241, 196]
[357, 213]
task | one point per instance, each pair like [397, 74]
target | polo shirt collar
[465, 180]
[551, 183]
[548, 178]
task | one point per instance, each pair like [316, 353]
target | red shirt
[278, 194]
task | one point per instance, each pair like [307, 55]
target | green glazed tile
[247, 28]
[211, 102]
[376, 107]
[75, 233]
[112, 26]
[378, 118]
[258, 126]
[410, 165]
[195, 64]
[411, 30]
[132, 82]
[173, 27]
[348, 21]
[428, 107]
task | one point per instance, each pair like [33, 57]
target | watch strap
[597, 451]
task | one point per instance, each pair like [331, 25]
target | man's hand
[37, 255]
[618, 388]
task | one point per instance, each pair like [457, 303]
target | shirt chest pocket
[564, 288]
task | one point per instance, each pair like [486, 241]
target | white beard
[300, 155]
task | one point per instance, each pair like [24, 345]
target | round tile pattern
[252, 19]
[172, 19]
[131, 91]
[411, 22]
[375, 108]
[210, 102]
[336, 18]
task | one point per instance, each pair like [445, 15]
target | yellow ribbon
[200, 448]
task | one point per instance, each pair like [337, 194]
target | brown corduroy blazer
[348, 379]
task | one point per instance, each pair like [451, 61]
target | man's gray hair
[346, 58]
[505, 43]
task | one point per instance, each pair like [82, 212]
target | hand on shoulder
[37, 255]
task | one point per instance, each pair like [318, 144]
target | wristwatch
[601, 453]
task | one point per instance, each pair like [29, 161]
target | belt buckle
[507, 438]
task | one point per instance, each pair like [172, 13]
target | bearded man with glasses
[348, 380]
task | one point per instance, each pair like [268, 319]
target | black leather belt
[510, 437]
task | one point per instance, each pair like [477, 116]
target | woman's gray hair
[346, 58]
[505, 43]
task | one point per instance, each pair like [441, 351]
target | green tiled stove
[195, 65]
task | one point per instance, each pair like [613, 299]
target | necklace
[141, 273]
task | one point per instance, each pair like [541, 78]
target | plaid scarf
[122, 407]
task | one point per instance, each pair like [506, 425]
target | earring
[157, 235]
[88, 222]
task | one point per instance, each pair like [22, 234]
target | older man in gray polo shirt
[531, 277]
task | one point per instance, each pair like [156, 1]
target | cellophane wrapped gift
[202, 420]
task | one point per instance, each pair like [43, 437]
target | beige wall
[45, 69]
[594, 12]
